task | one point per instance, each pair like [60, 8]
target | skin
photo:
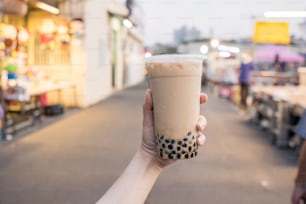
[135, 183]
[299, 190]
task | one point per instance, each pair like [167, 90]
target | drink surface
[173, 65]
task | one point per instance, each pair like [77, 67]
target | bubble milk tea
[175, 82]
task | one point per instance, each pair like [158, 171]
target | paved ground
[75, 160]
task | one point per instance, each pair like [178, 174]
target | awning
[16, 7]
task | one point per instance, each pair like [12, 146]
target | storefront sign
[271, 32]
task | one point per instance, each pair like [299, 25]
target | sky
[223, 19]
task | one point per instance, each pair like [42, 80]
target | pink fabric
[268, 53]
[43, 99]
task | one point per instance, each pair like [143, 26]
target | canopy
[268, 53]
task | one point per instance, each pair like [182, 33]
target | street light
[204, 49]
[285, 14]
[127, 23]
[148, 54]
[214, 43]
[224, 54]
[228, 49]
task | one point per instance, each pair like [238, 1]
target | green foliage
[159, 49]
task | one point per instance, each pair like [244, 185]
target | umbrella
[268, 53]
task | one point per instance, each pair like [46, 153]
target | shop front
[83, 43]
[69, 53]
[114, 53]
[35, 61]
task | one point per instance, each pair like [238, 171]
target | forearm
[134, 185]
[301, 176]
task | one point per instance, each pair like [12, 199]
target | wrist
[151, 159]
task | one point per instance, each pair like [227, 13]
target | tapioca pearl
[186, 156]
[195, 153]
[185, 139]
[170, 146]
[189, 133]
[193, 137]
[173, 152]
[179, 142]
[163, 145]
[189, 148]
[184, 145]
[161, 154]
[183, 152]
[162, 137]
[194, 144]
[170, 156]
[167, 141]
[178, 148]
[172, 141]
[178, 155]
[190, 142]
[191, 155]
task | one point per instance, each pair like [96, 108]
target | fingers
[203, 98]
[201, 139]
[201, 124]
[148, 100]
[148, 110]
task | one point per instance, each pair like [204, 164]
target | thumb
[148, 110]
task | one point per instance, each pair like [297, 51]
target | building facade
[97, 46]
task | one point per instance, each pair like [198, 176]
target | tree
[159, 49]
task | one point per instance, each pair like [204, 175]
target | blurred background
[70, 69]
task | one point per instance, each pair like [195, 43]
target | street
[76, 159]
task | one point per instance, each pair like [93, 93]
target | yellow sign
[271, 32]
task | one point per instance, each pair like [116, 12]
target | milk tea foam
[175, 82]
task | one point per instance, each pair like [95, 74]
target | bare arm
[135, 183]
[299, 190]
[301, 175]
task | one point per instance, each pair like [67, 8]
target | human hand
[148, 139]
[298, 194]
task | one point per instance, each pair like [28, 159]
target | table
[30, 107]
[275, 107]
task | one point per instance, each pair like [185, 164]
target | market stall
[276, 65]
[35, 67]
[268, 54]
[278, 109]
[222, 73]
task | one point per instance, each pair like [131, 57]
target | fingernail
[200, 141]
